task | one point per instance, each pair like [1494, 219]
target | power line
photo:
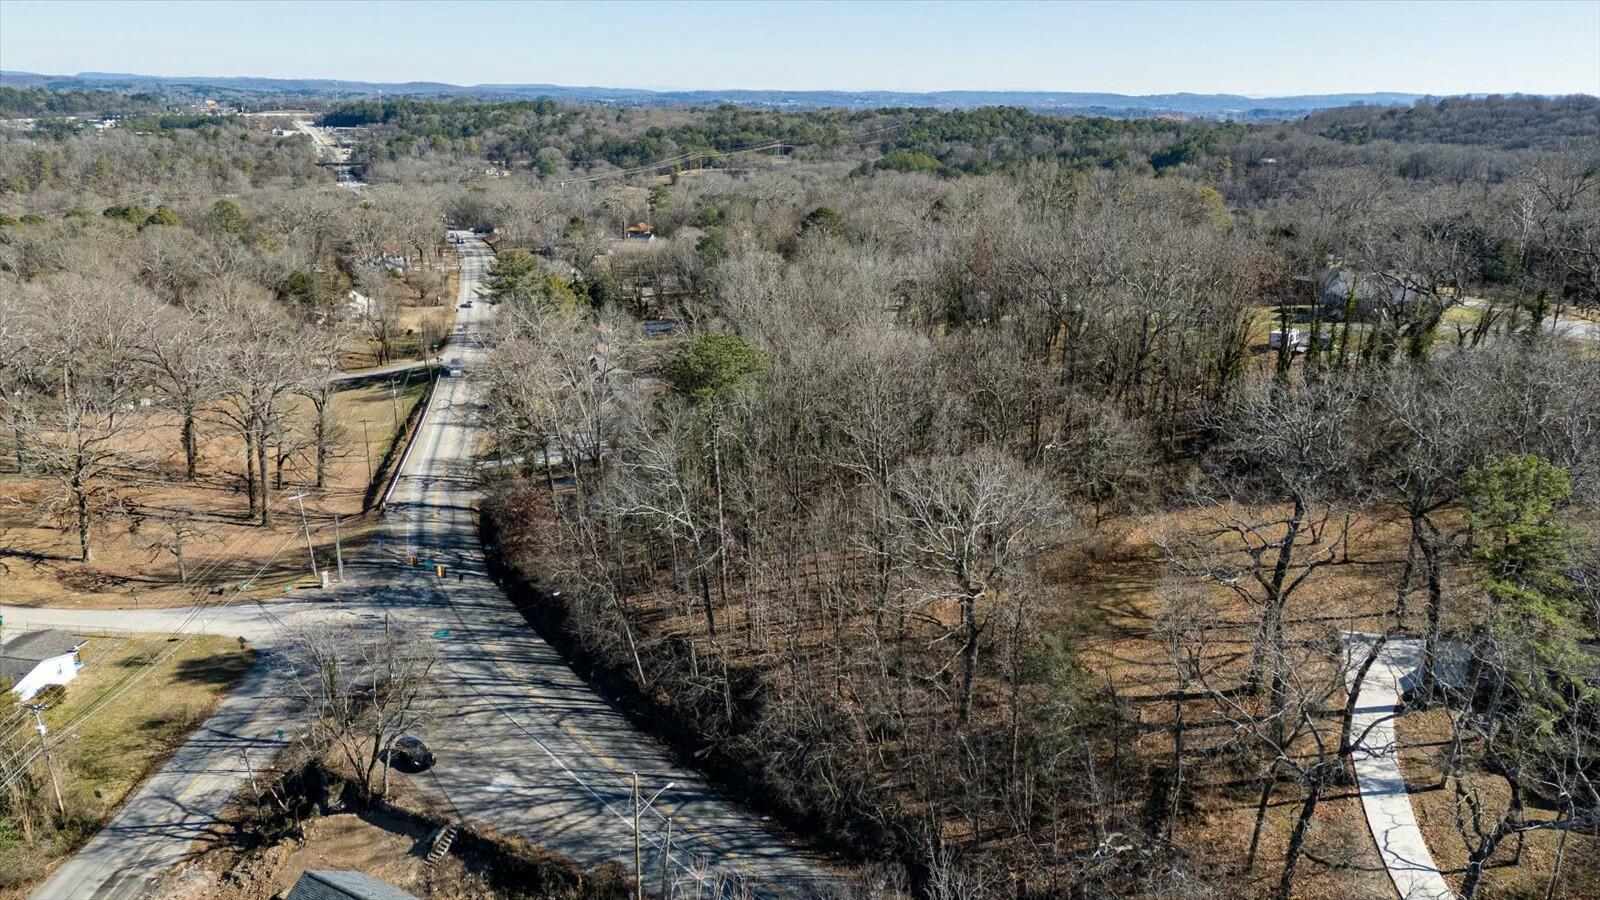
[471, 683]
[178, 638]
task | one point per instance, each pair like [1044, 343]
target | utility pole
[394, 405]
[310, 550]
[638, 856]
[366, 444]
[338, 549]
[49, 761]
[638, 859]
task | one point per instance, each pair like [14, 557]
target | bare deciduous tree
[363, 690]
[180, 352]
[263, 365]
[971, 520]
[91, 398]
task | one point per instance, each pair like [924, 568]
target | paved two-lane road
[524, 745]
[528, 746]
[1570, 327]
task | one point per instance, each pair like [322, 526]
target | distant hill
[1509, 123]
[1216, 106]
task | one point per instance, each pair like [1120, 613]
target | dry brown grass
[1103, 590]
[1108, 597]
[1424, 735]
[40, 555]
[1107, 589]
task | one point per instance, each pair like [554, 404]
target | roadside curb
[389, 475]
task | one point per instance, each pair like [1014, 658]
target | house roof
[333, 884]
[641, 228]
[1335, 285]
[22, 653]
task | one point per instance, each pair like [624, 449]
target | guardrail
[382, 485]
[425, 406]
[419, 414]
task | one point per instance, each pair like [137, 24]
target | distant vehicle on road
[467, 305]
[410, 754]
[455, 367]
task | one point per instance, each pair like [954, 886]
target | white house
[32, 662]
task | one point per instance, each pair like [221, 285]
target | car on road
[410, 754]
[467, 305]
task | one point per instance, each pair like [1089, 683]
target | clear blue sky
[1257, 48]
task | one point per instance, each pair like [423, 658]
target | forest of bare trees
[969, 517]
[823, 534]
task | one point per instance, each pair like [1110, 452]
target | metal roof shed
[331, 884]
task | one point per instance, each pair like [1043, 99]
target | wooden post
[666, 861]
[338, 549]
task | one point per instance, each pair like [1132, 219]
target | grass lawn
[107, 755]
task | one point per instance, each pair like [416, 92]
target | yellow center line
[687, 824]
[503, 666]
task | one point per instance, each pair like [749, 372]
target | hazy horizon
[205, 76]
[1128, 48]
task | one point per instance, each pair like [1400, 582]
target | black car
[410, 754]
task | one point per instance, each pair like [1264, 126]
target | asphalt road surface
[528, 746]
[524, 745]
[1569, 327]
